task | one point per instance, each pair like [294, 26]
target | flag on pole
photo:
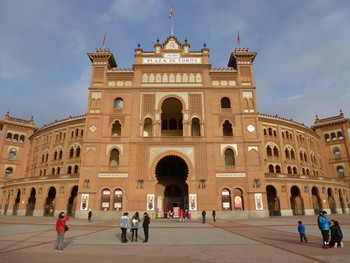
[104, 40]
[170, 12]
[238, 39]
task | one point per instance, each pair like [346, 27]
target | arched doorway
[71, 206]
[316, 200]
[296, 201]
[341, 200]
[31, 203]
[273, 201]
[171, 173]
[16, 204]
[331, 201]
[49, 207]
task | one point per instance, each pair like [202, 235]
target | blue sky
[302, 67]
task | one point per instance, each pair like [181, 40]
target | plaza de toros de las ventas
[172, 133]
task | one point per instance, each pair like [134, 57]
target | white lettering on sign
[172, 61]
[230, 175]
[113, 175]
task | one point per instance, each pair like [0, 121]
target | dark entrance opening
[49, 208]
[273, 201]
[71, 206]
[172, 172]
[16, 204]
[31, 203]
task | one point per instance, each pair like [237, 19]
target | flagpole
[172, 26]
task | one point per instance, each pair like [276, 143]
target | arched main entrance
[71, 206]
[273, 201]
[171, 173]
[296, 201]
[31, 203]
[16, 204]
[316, 200]
[49, 208]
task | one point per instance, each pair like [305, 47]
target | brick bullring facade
[174, 133]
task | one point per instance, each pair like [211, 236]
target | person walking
[135, 221]
[145, 225]
[90, 216]
[336, 235]
[203, 216]
[324, 226]
[214, 215]
[61, 228]
[124, 225]
[301, 230]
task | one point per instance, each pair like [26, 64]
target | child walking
[301, 230]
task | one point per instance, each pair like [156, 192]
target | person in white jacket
[124, 225]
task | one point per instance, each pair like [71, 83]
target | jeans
[59, 241]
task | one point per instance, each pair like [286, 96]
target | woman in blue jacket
[324, 226]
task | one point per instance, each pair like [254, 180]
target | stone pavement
[31, 239]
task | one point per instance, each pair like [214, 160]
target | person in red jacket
[60, 229]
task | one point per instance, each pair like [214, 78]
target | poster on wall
[193, 202]
[150, 202]
[258, 202]
[84, 202]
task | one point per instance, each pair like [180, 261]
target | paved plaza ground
[274, 239]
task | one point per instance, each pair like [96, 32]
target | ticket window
[226, 200]
[105, 199]
[118, 200]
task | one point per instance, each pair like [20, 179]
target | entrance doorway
[49, 208]
[31, 203]
[71, 206]
[171, 173]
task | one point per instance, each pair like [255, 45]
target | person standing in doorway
[203, 216]
[90, 216]
[301, 230]
[135, 220]
[60, 229]
[124, 225]
[324, 226]
[145, 225]
[214, 215]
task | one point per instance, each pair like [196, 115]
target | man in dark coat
[145, 225]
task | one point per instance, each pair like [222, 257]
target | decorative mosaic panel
[148, 102]
[188, 151]
[195, 104]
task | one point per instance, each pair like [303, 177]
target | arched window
[289, 169]
[114, 158]
[8, 173]
[292, 154]
[196, 130]
[58, 170]
[275, 151]
[270, 131]
[76, 169]
[278, 169]
[9, 137]
[116, 129]
[225, 103]
[295, 170]
[15, 138]
[271, 169]
[71, 152]
[340, 135]
[77, 132]
[268, 151]
[229, 157]
[274, 133]
[303, 171]
[53, 171]
[77, 152]
[327, 138]
[147, 127]
[105, 199]
[336, 152]
[287, 153]
[305, 157]
[227, 129]
[21, 139]
[12, 154]
[55, 155]
[340, 171]
[60, 154]
[118, 104]
[301, 155]
[265, 132]
[307, 171]
[334, 138]
[118, 200]
[238, 199]
[226, 199]
[69, 170]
